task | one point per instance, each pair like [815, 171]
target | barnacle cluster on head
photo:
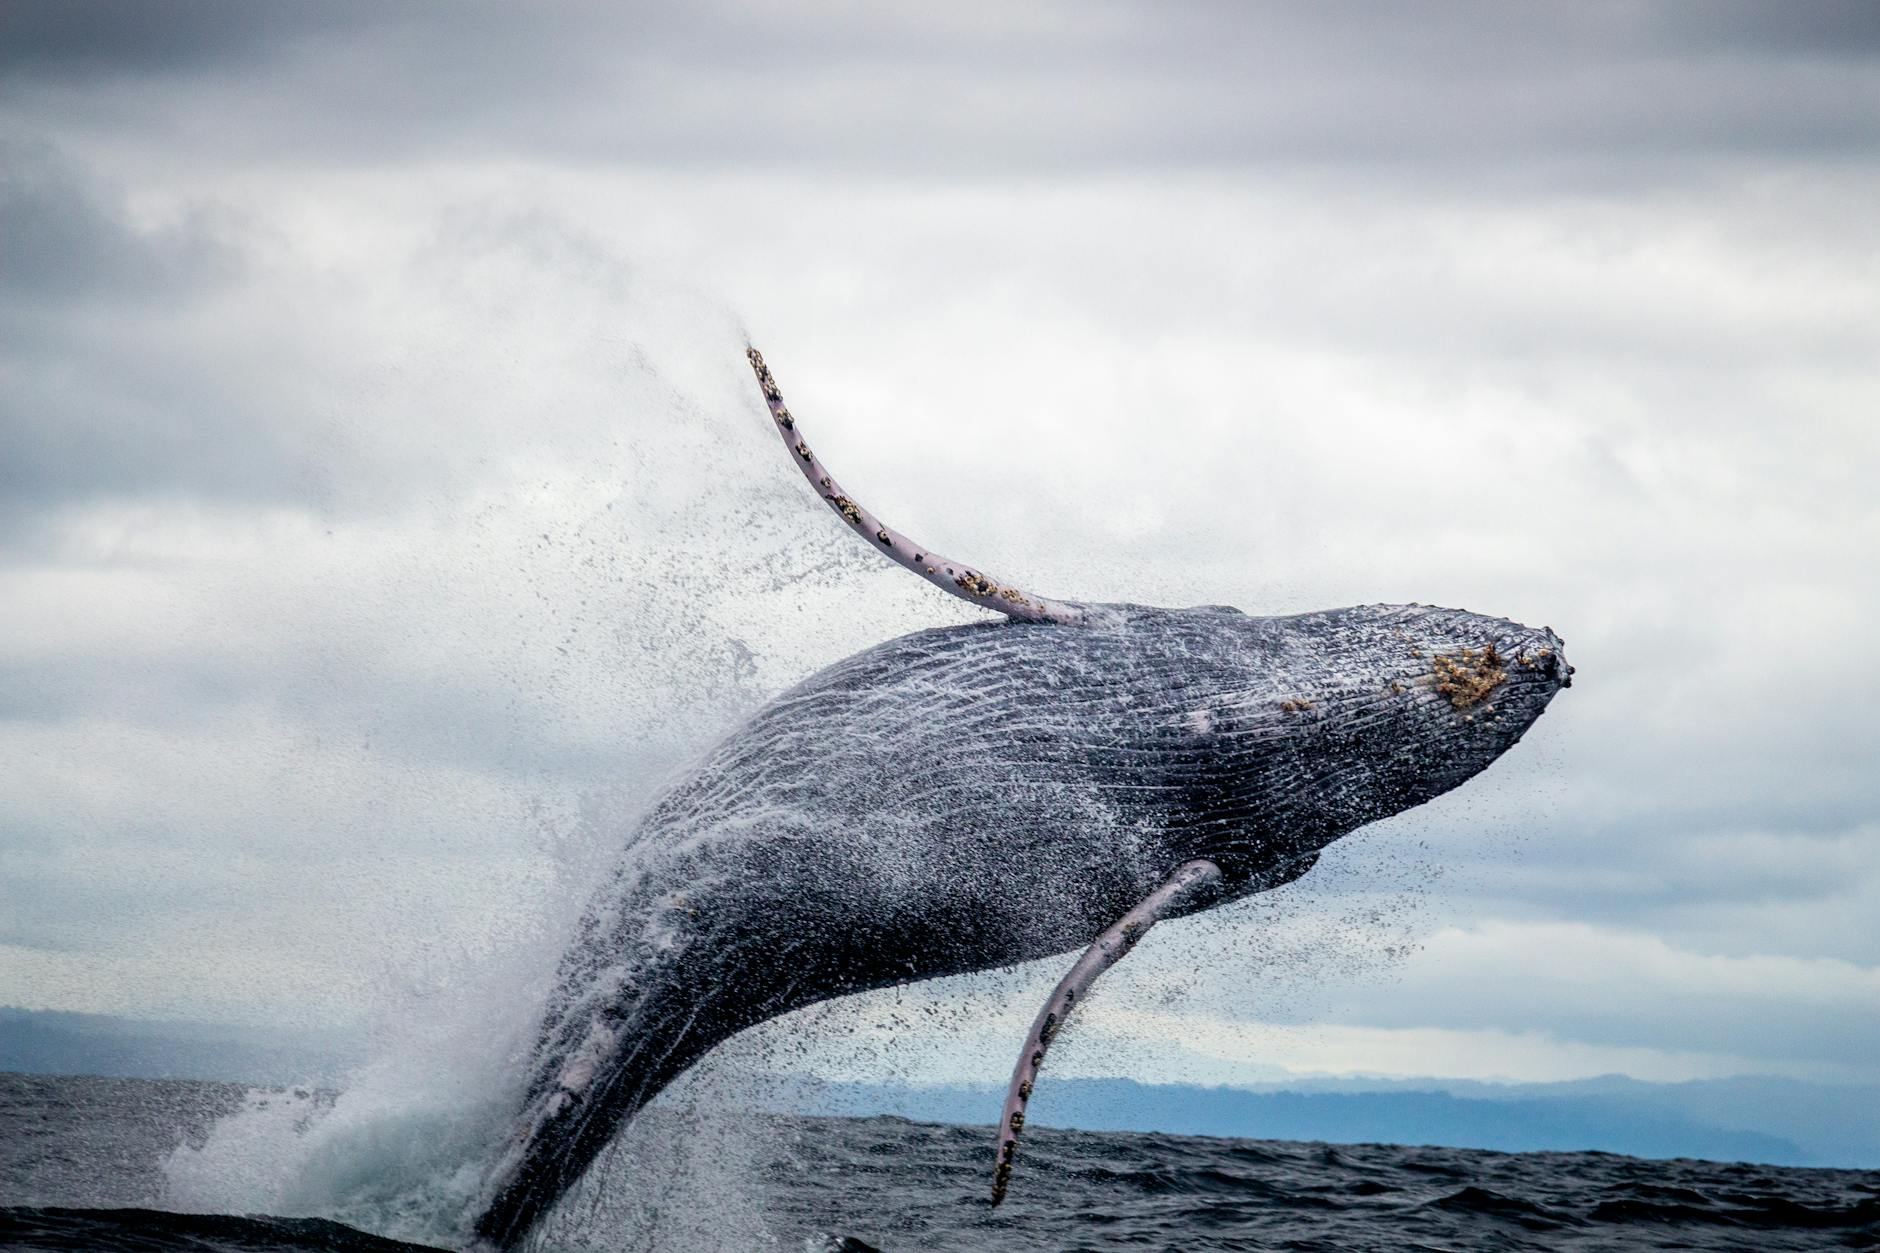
[1539, 659]
[1468, 676]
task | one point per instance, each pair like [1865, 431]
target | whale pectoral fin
[955, 577]
[1191, 879]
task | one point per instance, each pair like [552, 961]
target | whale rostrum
[1058, 778]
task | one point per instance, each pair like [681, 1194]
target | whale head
[1320, 723]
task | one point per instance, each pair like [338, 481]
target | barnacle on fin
[971, 586]
[977, 584]
[1105, 951]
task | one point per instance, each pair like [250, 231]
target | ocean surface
[88, 1163]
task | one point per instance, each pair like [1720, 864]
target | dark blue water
[80, 1168]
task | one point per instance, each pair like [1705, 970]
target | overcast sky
[385, 504]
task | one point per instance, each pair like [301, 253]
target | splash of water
[614, 590]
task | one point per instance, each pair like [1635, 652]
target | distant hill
[1837, 1124]
[1773, 1121]
[1782, 1122]
[42, 1042]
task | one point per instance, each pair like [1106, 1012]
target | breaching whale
[975, 796]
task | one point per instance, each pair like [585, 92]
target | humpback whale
[1060, 777]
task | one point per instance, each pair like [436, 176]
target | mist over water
[595, 577]
[616, 562]
[402, 1149]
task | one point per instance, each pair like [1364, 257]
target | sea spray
[402, 1148]
[601, 600]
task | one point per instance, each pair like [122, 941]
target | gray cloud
[44, 39]
[1841, 28]
[68, 237]
[1636, 92]
[90, 393]
[382, 498]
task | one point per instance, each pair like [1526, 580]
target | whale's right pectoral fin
[1190, 880]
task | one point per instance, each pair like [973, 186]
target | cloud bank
[383, 505]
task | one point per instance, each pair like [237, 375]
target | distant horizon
[1788, 1122]
[348, 1046]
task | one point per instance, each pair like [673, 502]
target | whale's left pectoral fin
[1190, 880]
